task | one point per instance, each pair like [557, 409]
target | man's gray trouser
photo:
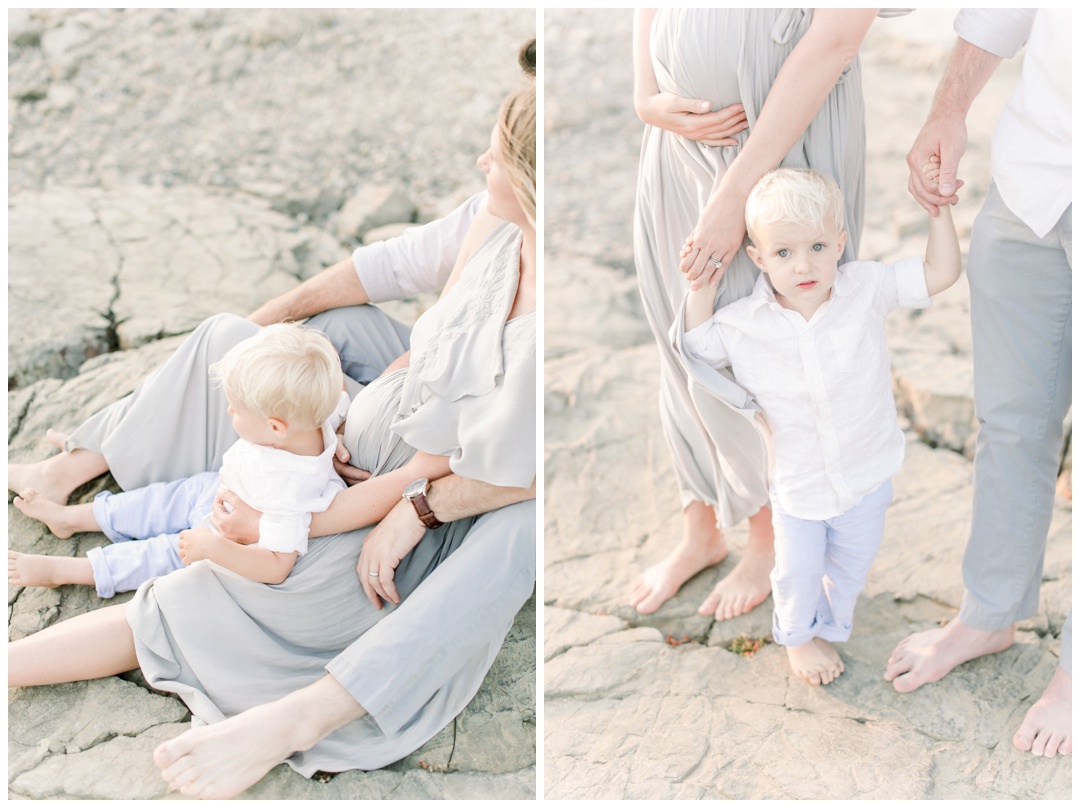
[1021, 320]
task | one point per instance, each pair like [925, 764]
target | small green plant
[746, 646]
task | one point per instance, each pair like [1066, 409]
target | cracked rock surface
[167, 165]
[656, 706]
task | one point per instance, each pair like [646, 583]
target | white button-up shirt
[823, 385]
[1031, 153]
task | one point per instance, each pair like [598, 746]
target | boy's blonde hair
[799, 196]
[285, 371]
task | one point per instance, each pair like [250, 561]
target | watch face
[415, 488]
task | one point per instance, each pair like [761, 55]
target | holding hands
[943, 139]
[717, 237]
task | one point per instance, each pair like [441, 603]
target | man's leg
[366, 338]
[1021, 315]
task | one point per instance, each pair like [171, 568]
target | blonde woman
[299, 672]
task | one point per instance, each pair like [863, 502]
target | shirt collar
[763, 293]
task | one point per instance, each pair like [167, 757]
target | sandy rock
[371, 207]
[212, 252]
[23, 30]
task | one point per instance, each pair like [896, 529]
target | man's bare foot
[930, 655]
[1047, 728]
[748, 584]
[218, 761]
[57, 476]
[816, 661]
[55, 516]
[702, 545]
[47, 571]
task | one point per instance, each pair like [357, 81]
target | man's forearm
[334, 287]
[970, 67]
[453, 497]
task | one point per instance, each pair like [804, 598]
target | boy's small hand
[197, 544]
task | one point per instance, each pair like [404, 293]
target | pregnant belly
[696, 51]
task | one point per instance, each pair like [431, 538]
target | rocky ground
[658, 706]
[167, 165]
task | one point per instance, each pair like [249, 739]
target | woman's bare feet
[57, 476]
[702, 545]
[748, 584]
[48, 571]
[930, 655]
[1047, 727]
[63, 520]
[56, 438]
[816, 661]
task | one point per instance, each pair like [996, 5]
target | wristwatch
[416, 493]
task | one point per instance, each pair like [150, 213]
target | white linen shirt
[286, 487]
[823, 385]
[1031, 151]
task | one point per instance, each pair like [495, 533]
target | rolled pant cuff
[358, 686]
[103, 580]
[980, 618]
[101, 516]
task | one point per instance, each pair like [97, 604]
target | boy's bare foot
[816, 661]
[930, 655]
[702, 545]
[1047, 727]
[54, 515]
[47, 571]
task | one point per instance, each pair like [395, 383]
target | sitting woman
[297, 672]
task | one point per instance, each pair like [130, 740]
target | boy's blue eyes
[818, 247]
[785, 252]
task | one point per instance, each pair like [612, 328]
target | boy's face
[251, 426]
[800, 262]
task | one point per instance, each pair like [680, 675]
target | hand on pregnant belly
[691, 118]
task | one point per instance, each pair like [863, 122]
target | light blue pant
[158, 511]
[821, 568]
[1021, 326]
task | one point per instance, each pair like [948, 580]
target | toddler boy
[284, 388]
[809, 345]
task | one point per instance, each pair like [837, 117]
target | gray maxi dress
[727, 56]
[225, 644]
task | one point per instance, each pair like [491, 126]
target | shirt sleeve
[705, 342]
[903, 286]
[1000, 31]
[284, 532]
[420, 260]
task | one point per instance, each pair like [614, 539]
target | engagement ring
[717, 263]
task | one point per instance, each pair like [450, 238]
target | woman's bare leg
[702, 545]
[748, 584]
[88, 646]
[220, 760]
[56, 477]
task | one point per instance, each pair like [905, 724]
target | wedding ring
[718, 264]
[373, 574]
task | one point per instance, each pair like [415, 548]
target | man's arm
[944, 134]
[451, 497]
[332, 288]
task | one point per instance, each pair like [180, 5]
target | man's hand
[385, 546]
[691, 118]
[197, 544]
[942, 139]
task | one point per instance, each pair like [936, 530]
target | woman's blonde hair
[517, 147]
[799, 196]
[285, 371]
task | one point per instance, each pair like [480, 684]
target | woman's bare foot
[63, 520]
[702, 545]
[1047, 727]
[48, 571]
[816, 661]
[748, 584]
[56, 438]
[930, 655]
[57, 476]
